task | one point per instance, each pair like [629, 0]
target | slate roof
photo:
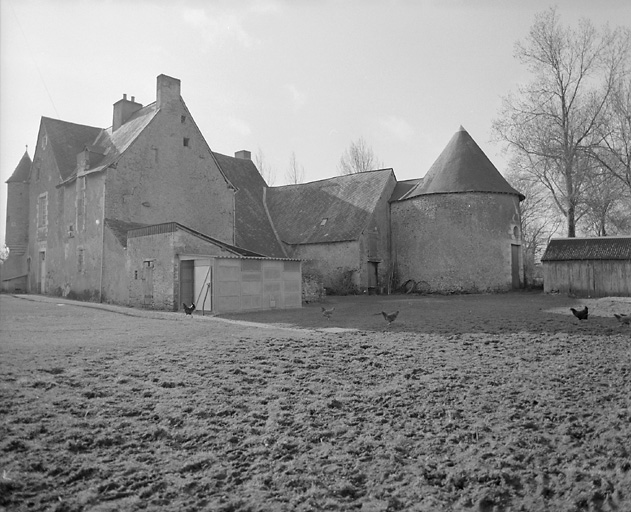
[22, 171]
[332, 210]
[462, 167]
[67, 140]
[597, 248]
[253, 229]
[403, 187]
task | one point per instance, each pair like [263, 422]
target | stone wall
[456, 242]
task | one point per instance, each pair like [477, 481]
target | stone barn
[458, 230]
[588, 267]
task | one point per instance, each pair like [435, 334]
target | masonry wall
[159, 179]
[456, 242]
[153, 267]
[338, 262]
[14, 268]
[115, 282]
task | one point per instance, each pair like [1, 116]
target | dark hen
[390, 317]
[582, 314]
[328, 312]
[188, 309]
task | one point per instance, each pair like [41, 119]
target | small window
[185, 142]
[323, 222]
[135, 274]
[80, 261]
[183, 119]
[42, 210]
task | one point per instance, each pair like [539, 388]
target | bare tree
[295, 172]
[266, 171]
[4, 253]
[358, 157]
[540, 219]
[607, 206]
[555, 119]
[613, 152]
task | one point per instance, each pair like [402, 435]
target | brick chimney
[168, 91]
[243, 155]
[123, 110]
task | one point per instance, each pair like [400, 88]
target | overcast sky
[278, 76]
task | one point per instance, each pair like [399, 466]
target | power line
[28, 47]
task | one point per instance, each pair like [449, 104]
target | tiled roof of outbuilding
[22, 171]
[597, 248]
[254, 230]
[462, 167]
[67, 140]
[332, 210]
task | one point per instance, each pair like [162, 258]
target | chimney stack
[123, 110]
[243, 155]
[168, 91]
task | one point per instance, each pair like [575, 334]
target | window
[42, 210]
[183, 119]
[185, 142]
[80, 260]
[81, 186]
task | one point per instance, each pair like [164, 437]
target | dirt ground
[465, 403]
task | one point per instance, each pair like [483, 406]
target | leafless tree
[554, 120]
[295, 172]
[540, 219]
[4, 253]
[607, 206]
[358, 157]
[266, 171]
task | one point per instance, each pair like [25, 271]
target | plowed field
[465, 403]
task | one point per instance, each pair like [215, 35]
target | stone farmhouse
[145, 213]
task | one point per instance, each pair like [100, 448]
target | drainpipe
[102, 241]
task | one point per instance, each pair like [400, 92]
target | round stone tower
[459, 229]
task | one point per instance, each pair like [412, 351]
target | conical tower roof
[462, 167]
[22, 171]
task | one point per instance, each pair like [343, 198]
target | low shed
[588, 267]
[170, 264]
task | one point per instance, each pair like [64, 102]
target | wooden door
[186, 282]
[147, 283]
[515, 266]
[42, 272]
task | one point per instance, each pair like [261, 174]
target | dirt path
[463, 403]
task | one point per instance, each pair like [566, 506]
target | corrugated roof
[332, 210]
[598, 248]
[22, 171]
[462, 167]
[170, 227]
[253, 229]
[67, 140]
[120, 229]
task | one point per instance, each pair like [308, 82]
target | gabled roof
[22, 171]
[332, 210]
[598, 248]
[462, 167]
[67, 140]
[171, 227]
[253, 228]
[117, 142]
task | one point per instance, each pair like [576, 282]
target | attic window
[323, 222]
[185, 142]
[183, 119]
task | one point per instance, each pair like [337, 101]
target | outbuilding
[170, 264]
[588, 267]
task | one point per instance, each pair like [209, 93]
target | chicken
[390, 317]
[623, 319]
[328, 312]
[582, 314]
[189, 309]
